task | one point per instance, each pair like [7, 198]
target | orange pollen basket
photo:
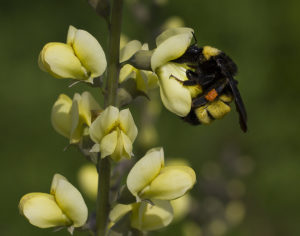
[211, 95]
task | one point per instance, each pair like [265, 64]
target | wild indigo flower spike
[64, 206]
[150, 179]
[175, 97]
[70, 117]
[144, 216]
[114, 132]
[81, 58]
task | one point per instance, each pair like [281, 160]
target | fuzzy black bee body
[213, 70]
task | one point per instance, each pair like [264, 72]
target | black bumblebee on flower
[213, 70]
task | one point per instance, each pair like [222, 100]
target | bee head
[193, 52]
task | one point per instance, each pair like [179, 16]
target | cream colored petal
[145, 170]
[127, 124]
[123, 149]
[141, 81]
[152, 82]
[130, 48]
[95, 148]
[60, 115]
[172, 32]
[127, 72]
[108, 144]
[174, 95]
[146, 80]
[89, 52]
[60, 61]
[151, 217]
[71, 35]
[55, 180]
[172, 182]
[127, 144]
[103, 124]
[119, 211]
[86, 105]
[42, 211]
[145, 47]
[88, 180]
[170, 49]
[71, 202]
[76, 123]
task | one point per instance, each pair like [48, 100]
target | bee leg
[199, 101]
[186, 82]
[201, 79]
[206, 79]
[213, 92]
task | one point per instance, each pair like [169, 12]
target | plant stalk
[113, 68]
[103, 167]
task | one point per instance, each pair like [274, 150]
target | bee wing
[239, 104]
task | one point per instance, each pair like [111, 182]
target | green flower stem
[104, 166]
[113, 52]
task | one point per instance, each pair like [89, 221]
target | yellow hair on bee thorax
[209, 52]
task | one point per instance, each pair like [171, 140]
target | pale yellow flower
[149, 217]
[114, 132]
[70, 117]
[64, 206]
[144, 216]
[81, 58]
[145, 80]
[172, 44]
[150, 179]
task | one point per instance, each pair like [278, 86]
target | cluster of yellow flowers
[113, 131]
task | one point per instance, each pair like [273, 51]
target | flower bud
[114, 132]
[64, 206]
[149, 179]
[82, 58]
[69, 117]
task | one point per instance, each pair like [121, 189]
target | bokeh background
[259, 170]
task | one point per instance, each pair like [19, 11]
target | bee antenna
[194, 36]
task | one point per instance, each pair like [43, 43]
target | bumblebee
[213, 70]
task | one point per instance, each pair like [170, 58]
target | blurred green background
[263, 37]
